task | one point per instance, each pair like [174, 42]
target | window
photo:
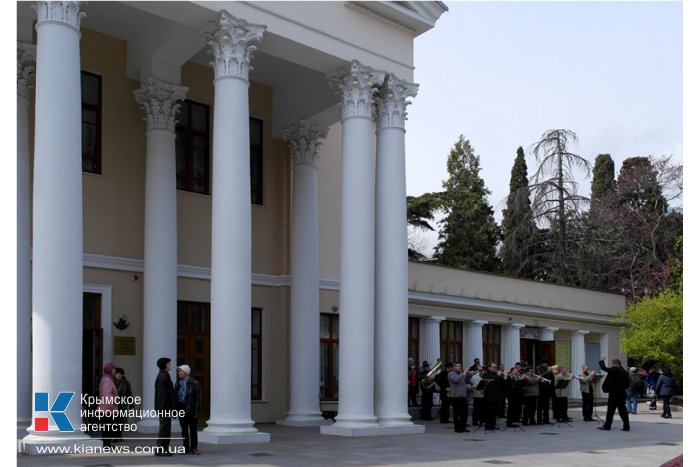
[256, 355]
[450, 341]
[491, 334]
[192, 151]
[329, 357]
[256, 161]
[413, 341]
[192, 147]
[91, 99]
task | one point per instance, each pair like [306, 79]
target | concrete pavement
[651, 442]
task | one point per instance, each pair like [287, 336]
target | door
[193, 346]
[92, 343]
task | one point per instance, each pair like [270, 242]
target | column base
[395, 420]
[59, 443]
[233, 438]
[302, 421]
[356, 432]
[232, 432]
[147, 425]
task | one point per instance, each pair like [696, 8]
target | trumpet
[544, 380]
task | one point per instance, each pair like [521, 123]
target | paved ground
[651, 442]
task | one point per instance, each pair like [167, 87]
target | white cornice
[98, 261]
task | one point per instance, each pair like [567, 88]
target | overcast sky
[502, 73]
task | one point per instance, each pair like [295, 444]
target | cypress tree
[469, 233]
[603, 177]
[519, 230]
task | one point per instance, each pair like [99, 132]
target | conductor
[615, 385]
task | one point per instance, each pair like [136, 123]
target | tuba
[428, 381]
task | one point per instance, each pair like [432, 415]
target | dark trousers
[490, 411]
[412, 399]
[555, 407]
[667, 406]
[164, 433]
[426, 405]
[587, 405]
[444, 409]
[515, 408]
[188, 425]
[478, 411]
[617, 401]
[529, 410]
[562, 404]
[109, 434]
[460, 412]
[543, 407]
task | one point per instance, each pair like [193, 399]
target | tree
[630, 233]
[518, 225]
[555, 200]
[468, 233]
[420, 212]
[603, 177]
[654, 330]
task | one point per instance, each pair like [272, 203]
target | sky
[503, 73]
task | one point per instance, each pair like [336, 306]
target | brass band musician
[562, 394]
[587, 392]
[531, 390]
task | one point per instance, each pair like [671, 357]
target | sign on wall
[123, 345]
[562, 354]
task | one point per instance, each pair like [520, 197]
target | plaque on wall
[123, 345]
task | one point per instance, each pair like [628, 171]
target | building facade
[223, 184]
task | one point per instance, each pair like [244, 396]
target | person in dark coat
[165, 401]
[615, 385]
[666, 388]
[426, 393]
[492, 395]
[189, 398]
[442, 381]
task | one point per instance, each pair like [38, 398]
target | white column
[160, 101]
[304, 140]
[57, 273]
[547, 334]
[26, 59]
[578, 358]
[475, 342]
[356, 85]
[511, 344]
[432, 338]
[231, 256]
[391, 261]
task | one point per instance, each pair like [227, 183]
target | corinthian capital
[304, 140]
[391, 102]
[62, 12]
[26, 64]
[230, 45]
[356, 86]
[160, 101]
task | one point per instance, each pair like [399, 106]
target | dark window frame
[451, 345]
[256, 163]
[256, 341]
[491, 338]
[329, 392]
[184, 130]
[96, 158]
[413, 338]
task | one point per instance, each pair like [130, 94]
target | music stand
[595, 379]
[561, 384]
[480, 387]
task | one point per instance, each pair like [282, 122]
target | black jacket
[193, 397]
[617, 380]
[165, 392]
